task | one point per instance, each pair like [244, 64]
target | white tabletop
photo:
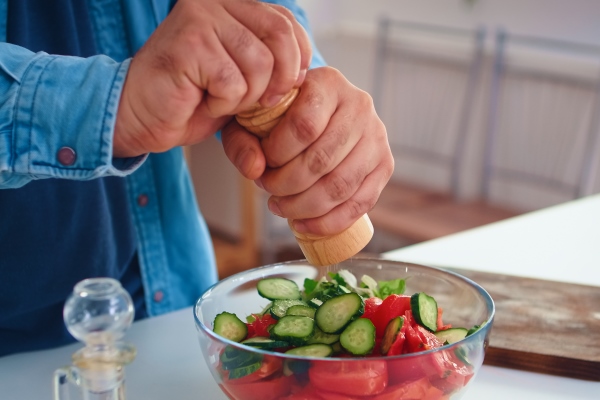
[558, 243]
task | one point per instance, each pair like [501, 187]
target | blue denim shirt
[48, 102]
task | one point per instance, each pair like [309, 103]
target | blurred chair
[425, 82]
[539, 146]
[543, 126]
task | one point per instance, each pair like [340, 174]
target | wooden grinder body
[322, 250]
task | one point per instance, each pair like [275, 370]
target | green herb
[310, 285]
[395, 286]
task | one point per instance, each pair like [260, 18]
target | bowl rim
[484, 329]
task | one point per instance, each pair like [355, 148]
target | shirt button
[142, 200]
[158, 296]
[66, 156]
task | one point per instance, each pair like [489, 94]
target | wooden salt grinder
[318, 250]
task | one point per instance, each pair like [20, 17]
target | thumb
[243, 150]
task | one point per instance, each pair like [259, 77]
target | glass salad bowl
[417, 357]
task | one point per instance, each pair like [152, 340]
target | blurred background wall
[445, 78]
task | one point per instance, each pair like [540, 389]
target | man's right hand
[208, 60]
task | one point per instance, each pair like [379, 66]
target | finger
[224, 83]
[252, 57]
[303, 123]
[332, 189]
[344, 215]
[243, 150]
[303, 42]
[331, 148]
[277, 33]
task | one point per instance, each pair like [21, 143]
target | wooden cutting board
[543, 326]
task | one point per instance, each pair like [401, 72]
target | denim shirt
[47, 101]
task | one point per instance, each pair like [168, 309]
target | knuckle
[338, 187]
[304, 130]
[318, 161]
[357, 208]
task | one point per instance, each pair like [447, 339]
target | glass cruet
[97, 313]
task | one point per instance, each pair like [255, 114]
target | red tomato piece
[416, 390]
[307, 393]
[452, 374]
[393, 306]
[430, 341]
[398, 345]
[351, 378]
[259, 326]
[440, 323]
[413, 343]
[324, 395]
[371, 306]
[265, 389]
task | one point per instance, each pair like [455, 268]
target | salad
[339, 316]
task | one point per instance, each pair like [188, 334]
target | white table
[559, 243]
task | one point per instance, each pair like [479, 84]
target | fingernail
[273, 100]
[274, 207]
[259, 183]
[301, 77]
[246, 161]
[299, 226]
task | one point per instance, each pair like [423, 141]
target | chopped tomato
[352, 378]
[268, 367]
[416, 390]
[307, 393]
[452, 374]
[259, 326]
[324, 395]
[371, 306]
[414, 342]
[440, 323]
[430, 341]
[393, 306]
[272, 388]
[398, 346]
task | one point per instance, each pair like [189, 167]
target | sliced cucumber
[390, 334]
[291, 367]
[240, 372]
[425, 310]
[265, 343]
[359, 337]
[233, 358]
[324, 338]
[336, 313]
[301, 309]
[230, 327]
[451, 335]
[311, 350]
[295, 329]
[315, 303]
[280, 307]
[278, 289]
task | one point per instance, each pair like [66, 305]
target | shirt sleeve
[57, 117]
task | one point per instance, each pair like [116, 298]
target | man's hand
[208, 60]
[325, 163]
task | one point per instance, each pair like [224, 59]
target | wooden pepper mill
[318, 250]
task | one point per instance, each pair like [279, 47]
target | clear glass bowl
[448, 369]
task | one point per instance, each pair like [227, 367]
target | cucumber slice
[336, 313]
[390, 334]
[240, 372]
[312, 350]
[301, 309]
[278, 289]
[451, 335]
[295, 329]
[280, 307]
[291, 367]
[235, 358]
[230, 327]
[425, 310]
[265, 343]
[315, 303]
[359, 337]
[324, 338]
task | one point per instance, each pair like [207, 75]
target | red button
[66, 156]
[142, 200]
[158, 296]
